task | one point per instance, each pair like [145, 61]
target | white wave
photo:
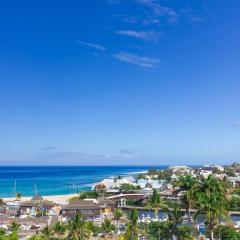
[134, 173]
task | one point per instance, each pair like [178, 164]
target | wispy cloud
[148, 36]
[189, 14]
[54, 156]
[196, 19]
[237, 125]
[141, 61]
[127, 18]
[91, 45]
[158, 9]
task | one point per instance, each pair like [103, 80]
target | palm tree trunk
[189, 216]
[212, 235]
[156, 213]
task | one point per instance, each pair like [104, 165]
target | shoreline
[63, 198]
[77, 176]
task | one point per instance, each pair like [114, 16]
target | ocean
[52, 180]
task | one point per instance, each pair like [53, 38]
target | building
[36, 206]
[115, 183]
[180, 169]
[88, 208]
[213, 166]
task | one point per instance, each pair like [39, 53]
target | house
[180, 169]
[142, 183]
[12, 208]
[36, 206]
[88, 208]
[213, 166]
[113, 183]
[235, 181]
[154, 184]
[205, 173]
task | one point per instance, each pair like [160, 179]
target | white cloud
[135, 59]
[91, 45]
[151, 35]
[196, 19]
[158, 9]
[54, 156]
[236, 124]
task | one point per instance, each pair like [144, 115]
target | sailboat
[14, 192]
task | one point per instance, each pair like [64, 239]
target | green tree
[172, 228]
[47, 232]
[90, 194]
[2, 233]
[18, 196]
[118, 214]
[224, 232]
[77, 229]
[187, 184]
[59, 228]
[155, 201]
[37, 237]
[132, 229]
[186, 232]
[14, 226]
[93, 228]
[13, 236]
[107, 227]
[152, 172]
[126, 187]
[211, 200]
[235, 203]
[175, 220]
[159, 230]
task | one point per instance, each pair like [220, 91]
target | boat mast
[14, 189]
[35, 189]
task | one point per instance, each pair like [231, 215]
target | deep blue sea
[59, 180]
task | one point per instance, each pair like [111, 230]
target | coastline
[58, 180]
[63, 198]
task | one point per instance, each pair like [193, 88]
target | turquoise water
[59, 180]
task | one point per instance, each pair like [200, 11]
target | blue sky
[119, 82]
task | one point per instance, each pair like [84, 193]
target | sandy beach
[63, 198]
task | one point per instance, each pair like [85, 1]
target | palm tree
[94, 229]
[132, 230]
[226, 232]
[107, 227]
[2, 233]
[37, 237]
[77, 228]
[172, 228]
[47, 232]
[100, 188]
[18, 196]
[157, 202]
[187, 184]
[117, 214]
[211, 200]
[175, 220]
[159, 230]
[186, 232]
[59, 228]
[14, 228]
